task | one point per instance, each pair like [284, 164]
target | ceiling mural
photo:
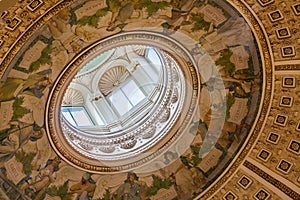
[221, 121]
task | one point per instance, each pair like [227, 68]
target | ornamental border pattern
[278, 184]
[268, 81]
[287, 67]
[40, 21]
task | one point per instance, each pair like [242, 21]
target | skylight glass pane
[120, 102]
[153, 57]
[77, 116]
[66, 113]
[133, 93]
[81, 117]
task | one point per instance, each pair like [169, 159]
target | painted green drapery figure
[85, 188]
[131, 189]
[34, 85]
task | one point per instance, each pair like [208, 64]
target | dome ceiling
[228, 126]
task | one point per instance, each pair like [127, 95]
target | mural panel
[230, 71]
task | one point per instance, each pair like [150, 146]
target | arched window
[73, 109]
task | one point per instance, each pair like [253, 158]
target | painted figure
[39, 184]
[34, 85]
[17, 139]
[169, 157]
[85, 188]
[131, 189]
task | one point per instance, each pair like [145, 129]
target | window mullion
[71, 113]
[126, 97]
